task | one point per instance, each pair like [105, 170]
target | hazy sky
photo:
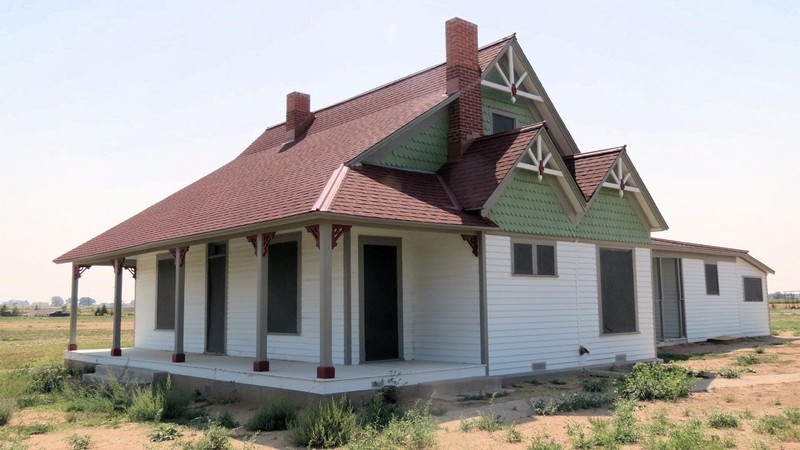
[107, 107]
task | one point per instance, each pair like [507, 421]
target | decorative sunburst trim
[621, 177]
[540, 160]
[513, 84]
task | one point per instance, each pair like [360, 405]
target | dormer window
[502, 122]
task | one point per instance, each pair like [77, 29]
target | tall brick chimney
[298, 115]
[464, 76]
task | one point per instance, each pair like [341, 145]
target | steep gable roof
[590, 169]
[270, 180]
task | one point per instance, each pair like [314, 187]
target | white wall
[754, 316]
[711, 315]
[546, 319]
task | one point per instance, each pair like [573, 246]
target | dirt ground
[764, 388]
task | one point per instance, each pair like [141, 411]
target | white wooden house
[442, 226]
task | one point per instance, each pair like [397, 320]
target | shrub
[760, 349]
[159, 403]
[214, 438]
[47, 378]
[225, 419]
[7, 408]
[575, 402]
[329, 424]
[175, 401]
[779, 425]
[730, 372]
[543, 442]
[659, 425]
[486, 421]
[513, 435]
[109, 398]
[722, 420]
[379, 410]
[414, 430]
[687, 436]
[656, 381]
[793, 414]
[273, 415]
[79, 442]
[626, 431]
[165, 433]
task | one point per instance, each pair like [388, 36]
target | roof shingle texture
[269, 180]
[485, 164]
[590, 169]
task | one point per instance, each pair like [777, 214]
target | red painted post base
[178, 357]
[260, 366]
[72, 347]
[326, 372]
[116, 352]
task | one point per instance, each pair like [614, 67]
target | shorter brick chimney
[298, 115]
[463, 74]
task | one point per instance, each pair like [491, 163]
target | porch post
[483, 306]
[261, 364]
[347, 308]
[116, 347]
[179, 257]
[325, 369]
[77, 270]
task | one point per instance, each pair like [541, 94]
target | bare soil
[767, 387]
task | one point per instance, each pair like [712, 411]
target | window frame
[159, 259]
[636, 330]
[506, 114]
[282, 239]
[706, 265]
[534, 243]
[760, 290]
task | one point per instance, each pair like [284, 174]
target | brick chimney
[298, 115]
[464, 76]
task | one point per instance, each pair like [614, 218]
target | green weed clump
[79, 442]
[165, 432]
[730, 372]
[7, 408]
[414, 429]
[109, 398]
[216, 437]
[329, 424]
[47, 378]
[594, 384]
[159, 403]
[781, 426]
[654, 381]
[574, 402]
[381, 409]
[689, 435]
[722, 420]
[543, 442]
[486, 421]
[747, 360]
[622, 429]
[275, 414]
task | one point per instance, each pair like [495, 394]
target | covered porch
[289, 375]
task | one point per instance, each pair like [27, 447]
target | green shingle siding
[530, 206]
[426, 151]
[497, 100]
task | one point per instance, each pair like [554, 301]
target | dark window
[712, 279]
[533, 259]
[502, 123]
[617, 291]
[752, 290]
[283, 271]
[165, 295]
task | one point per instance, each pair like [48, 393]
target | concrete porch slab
[288, 375]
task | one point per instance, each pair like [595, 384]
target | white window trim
[533, 243]
[744, 290]
[500, 112]
[603, 332]
[719, 289]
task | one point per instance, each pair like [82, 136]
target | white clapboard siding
[546, 319]
[194, 334]
[754, 315]
[146, 336]
[240, 307]
[709, 316]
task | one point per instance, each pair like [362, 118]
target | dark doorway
[668, 298]
[215, 298]
[380, 277]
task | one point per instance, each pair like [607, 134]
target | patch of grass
[622, 429]
[543, 442]
[594, 384]
[730, 398]
[486, 421]
[329, 424]
[79, 442]
[672, 357]
[760, 349]
[686, 436]
[746, 414]
[730, 372]
[273, 415]
[224, 419]
[165, 432]
[659, 424]
[574, 402]
[415, 429]
[512, 435]
[779, 425]
[722, 420]
[47, 378]
[378, 411]
[159, 403]
[747, 360]
[654, 381]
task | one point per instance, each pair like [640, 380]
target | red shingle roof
[475, 176]
[384, 193]
[589, 169]
[269, 180]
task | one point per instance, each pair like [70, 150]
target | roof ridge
[533, 126]
[419, 72]
[597, 152]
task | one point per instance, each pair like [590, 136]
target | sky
[108, 107]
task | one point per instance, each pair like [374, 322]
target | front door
[381, 308]
[215, 298]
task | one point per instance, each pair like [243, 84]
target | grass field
[786, 320]
[27, 341]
